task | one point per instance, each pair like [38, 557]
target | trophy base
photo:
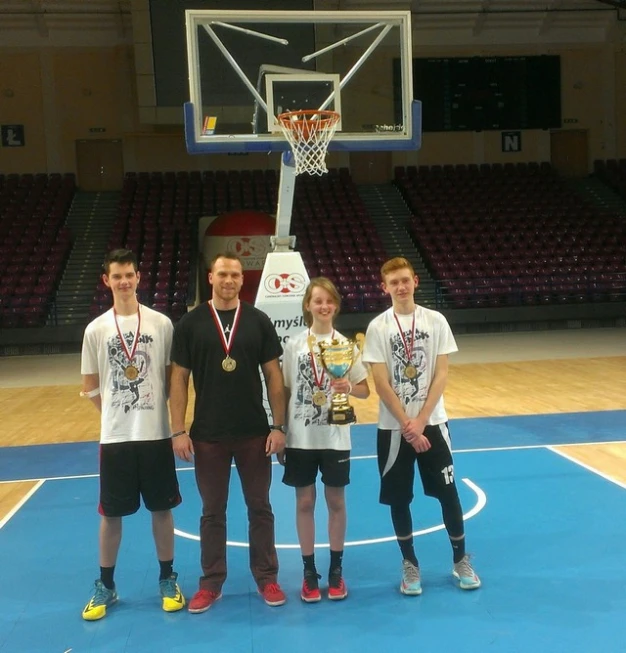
[341, 416]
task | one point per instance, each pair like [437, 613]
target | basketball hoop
[309, 133]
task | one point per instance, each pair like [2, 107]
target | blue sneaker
[411, 582]
[171, 596]
[467, 577]
[102, 598]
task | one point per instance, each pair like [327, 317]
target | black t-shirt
[228, 404]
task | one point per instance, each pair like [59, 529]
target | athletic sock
[167, 567]
[336, 559]
[408, 552]
[106, 576]
[458, 549]
[309, 563]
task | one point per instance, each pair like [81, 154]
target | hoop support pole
[286, 192]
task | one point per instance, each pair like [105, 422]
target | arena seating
[338, 240]
[155, 219]
[508, 235]
[223, 191]
[34, 244]
[158, 212]
[613, 173]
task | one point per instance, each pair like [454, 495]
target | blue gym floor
[546, 533]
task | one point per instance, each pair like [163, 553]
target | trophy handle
[360, 344]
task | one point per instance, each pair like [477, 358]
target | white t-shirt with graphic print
[384, 344]
[307, 424]
[131, 410]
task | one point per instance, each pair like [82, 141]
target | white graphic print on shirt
[384, 344]
[305, 410]
[137, 394]
[135, 409]
[416, 389]
[307, 424]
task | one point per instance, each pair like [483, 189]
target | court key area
[545, 532]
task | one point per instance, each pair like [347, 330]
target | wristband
[91, 394]
[174, 435]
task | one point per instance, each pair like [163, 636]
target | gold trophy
[337, 356]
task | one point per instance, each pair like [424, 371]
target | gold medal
[319, 398]
[131, 372]
[229, 364]
[410, 371]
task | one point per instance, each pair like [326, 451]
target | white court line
[20, 503]
[587, 467]
[364, 457]
[50, 478]
[481, 502]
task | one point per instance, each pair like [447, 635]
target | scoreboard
[487, 93]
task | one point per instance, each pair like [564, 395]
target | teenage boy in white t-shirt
[407, 348]
[125, 366]
[312, 443]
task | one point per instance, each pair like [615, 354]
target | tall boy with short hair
[407, 347]
[126, 368]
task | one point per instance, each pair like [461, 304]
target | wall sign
[12, 135]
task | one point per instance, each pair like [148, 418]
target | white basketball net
[309, 133]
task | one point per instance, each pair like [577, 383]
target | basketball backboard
[246, 67]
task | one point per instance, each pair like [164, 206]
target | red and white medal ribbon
[130, 353]
[319, 378]
[408, 348]
[227, 343]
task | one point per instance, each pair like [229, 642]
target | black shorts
[130, 470]
[301, 467]
[396, 465]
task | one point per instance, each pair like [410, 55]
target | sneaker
[310, 592]
[102, 598]
[202, 600]
[272, 594]
[468, 578]
[411, 581]
[171, 596]
[337, 589]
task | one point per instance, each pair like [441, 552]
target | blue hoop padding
[239, 146]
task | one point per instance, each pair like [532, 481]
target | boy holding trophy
[407, 347]
[321, 368]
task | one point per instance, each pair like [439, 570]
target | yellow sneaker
[102, 598]
[171, 596]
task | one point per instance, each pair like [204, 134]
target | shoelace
[463, 567]
[271, 588]
[101, 594]
[202, 595]
[311, 581]
[168, 587]
[411, 573]
[335, 581]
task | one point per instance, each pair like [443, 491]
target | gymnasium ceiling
[594, 20]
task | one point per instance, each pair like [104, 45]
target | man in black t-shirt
[223, 343]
